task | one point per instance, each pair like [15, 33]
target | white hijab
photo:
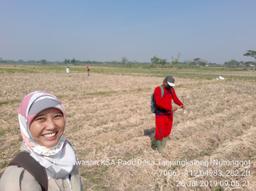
[59, 160]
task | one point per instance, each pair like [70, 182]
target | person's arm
[176, 99]
[161, 101]
[76, 181]
[17, 178]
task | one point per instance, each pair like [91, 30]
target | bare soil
[212, 144]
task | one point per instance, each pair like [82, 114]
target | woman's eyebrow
[40, 115]
[58, 113]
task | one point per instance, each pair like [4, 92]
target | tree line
[154, 61]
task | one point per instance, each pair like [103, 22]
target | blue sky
[106, 30]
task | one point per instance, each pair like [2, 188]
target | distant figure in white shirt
[67, 70]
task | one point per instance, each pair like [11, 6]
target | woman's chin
[50, 142]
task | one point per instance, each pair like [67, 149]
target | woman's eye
[58, 115]
[40, 119]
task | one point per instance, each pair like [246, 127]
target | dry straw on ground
[106, 117]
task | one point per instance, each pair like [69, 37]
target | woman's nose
[50, 123]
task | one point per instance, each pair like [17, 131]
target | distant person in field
[46, 160]
[67, 70]
[88, 70]
[163, 97]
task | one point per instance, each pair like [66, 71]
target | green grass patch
[2, 132]
[197, 73]
[140, 69]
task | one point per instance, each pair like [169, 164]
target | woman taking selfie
[47, 160]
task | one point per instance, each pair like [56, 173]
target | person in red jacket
[164, 95]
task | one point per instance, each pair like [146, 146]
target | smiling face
[48, 127]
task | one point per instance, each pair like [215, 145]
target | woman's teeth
[50, 134]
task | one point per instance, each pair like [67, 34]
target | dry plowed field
[212, 145]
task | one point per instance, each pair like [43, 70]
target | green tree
[124, 60]
[43, 61]
[66, 61]
[199, 62]
[156, 60]
[73, 61]
[251, 53]
[232, 63]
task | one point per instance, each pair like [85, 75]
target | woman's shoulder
[17, 178]
[157, 88]
[75, 179]
[10, 178]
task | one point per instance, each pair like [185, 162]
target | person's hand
[174, 108]
[183, 108]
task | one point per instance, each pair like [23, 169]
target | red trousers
[163, 126]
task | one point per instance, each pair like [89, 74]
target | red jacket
[165, 102]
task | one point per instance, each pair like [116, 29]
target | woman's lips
[50, 136]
